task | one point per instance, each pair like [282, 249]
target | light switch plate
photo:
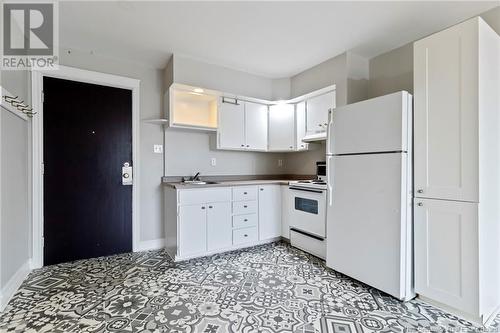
[158, 149]
[213, 161]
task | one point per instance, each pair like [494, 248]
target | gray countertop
[224, 181]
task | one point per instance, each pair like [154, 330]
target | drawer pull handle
[245, 206]
[210, 207]
[245, 193]
[262, 189]
[245, 220]
[202, 207]
[245, 235]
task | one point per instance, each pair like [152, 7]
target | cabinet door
[300, 116]
[446, 253]
[193, 229]
[446, 115]
[255, 126]
[317, 112]
[219, 226]
[282, 127]
[231, 130]
[269, 211]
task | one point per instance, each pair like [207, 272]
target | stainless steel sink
[198, 182]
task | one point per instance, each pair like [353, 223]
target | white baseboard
[153, 244]
[13, 284]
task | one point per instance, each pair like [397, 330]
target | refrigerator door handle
[329, 132]
[330, 180]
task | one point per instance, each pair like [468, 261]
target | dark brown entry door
[87, 133]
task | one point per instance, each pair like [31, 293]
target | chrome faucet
[196, 177]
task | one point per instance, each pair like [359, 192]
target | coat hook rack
[19, 105]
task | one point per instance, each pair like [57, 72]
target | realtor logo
[30, 38]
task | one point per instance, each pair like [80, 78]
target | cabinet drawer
[242, 221]
[205, 195]
[245, 235]
[244, 207]
[244, 193]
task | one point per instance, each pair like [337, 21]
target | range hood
[320, 136]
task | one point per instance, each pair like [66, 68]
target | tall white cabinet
[457, 169]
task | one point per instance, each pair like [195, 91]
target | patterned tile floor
[269, 288]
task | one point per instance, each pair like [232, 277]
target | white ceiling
[274, 39]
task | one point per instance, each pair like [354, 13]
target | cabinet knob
[202, 207]
[420, 191]
[245, 193]
[245, 206]
[245, 220]
[248, 145]
[245, 235]
[243, 145]
[291, 147]
[261, 189]
[420, 204]
[210, 207]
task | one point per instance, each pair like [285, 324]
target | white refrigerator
[369, 211]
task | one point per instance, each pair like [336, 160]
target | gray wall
[391, 72]
[151, 165]
[15, 223]
[188, 152]
[332, 71]
[15, 181]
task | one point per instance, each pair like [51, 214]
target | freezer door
[376, 125]
[369, 221]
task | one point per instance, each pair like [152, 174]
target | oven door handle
[305, 189]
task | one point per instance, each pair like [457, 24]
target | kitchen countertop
[225, 181]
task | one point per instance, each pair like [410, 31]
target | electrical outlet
[158, 149]
[213, 161]
[280, 163]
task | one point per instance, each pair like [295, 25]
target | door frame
[79, 75]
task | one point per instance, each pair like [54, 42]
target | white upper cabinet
[300, 114]
[446, 115]
[282, 127]
[317, 112]
[255, 126]
[193, 108]
[231, 131]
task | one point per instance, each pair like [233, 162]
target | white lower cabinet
[192, 229]
[211, 220]
[446, 253]
[219, 226]
[245, 235]
[269, 211]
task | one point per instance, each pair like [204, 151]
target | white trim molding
[153, 244]
[75, 74]
[13, 284]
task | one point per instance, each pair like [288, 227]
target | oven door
[308, 210]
